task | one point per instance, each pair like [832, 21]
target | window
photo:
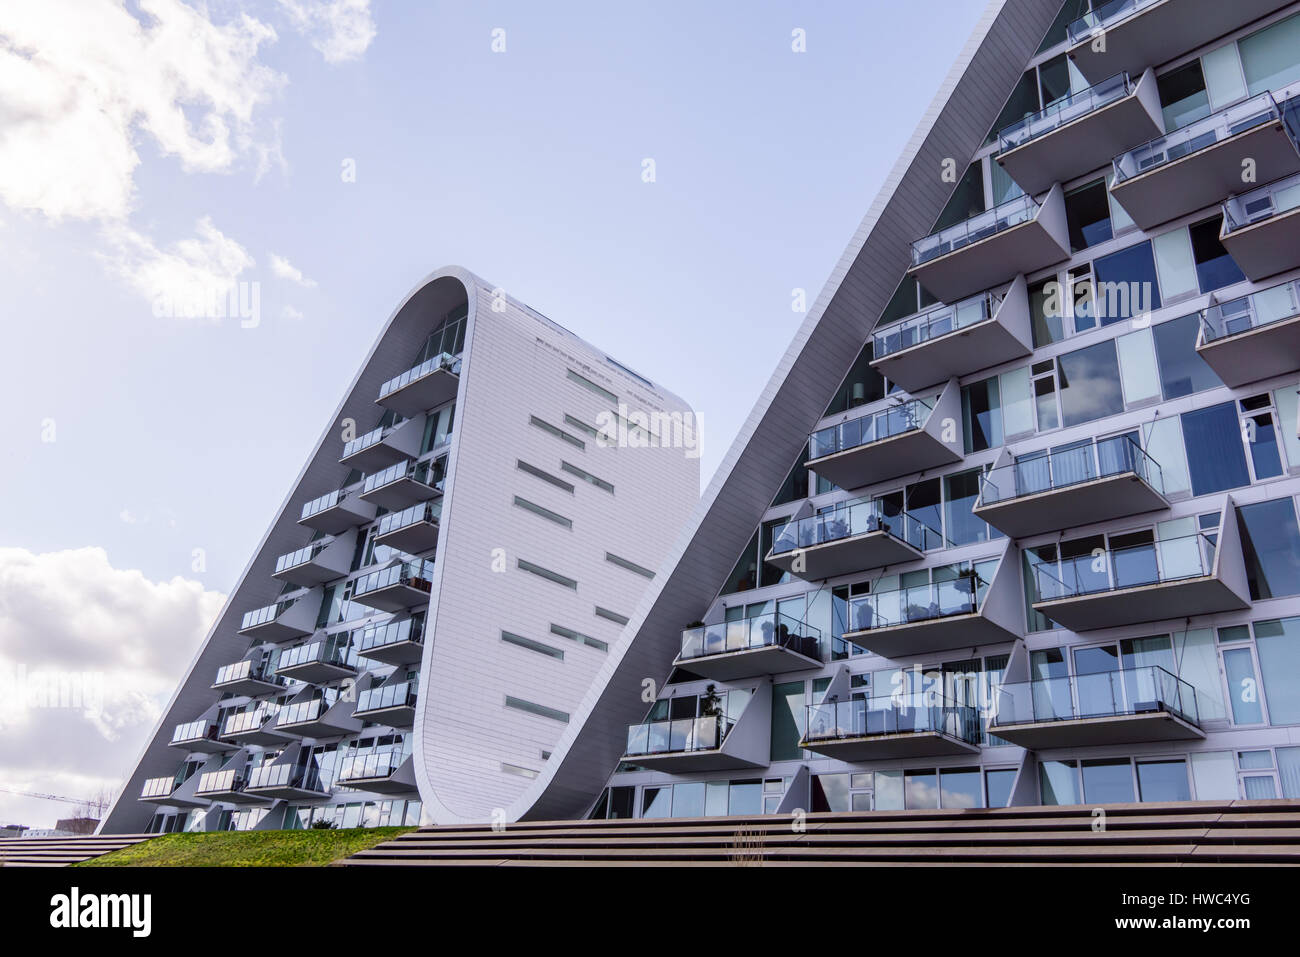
[1214, 267]
[1045, 312]
[630, 566]
[795, 486]
[1046, 412]
[1163, 781]
[557, 432]
[908, 299]
[863, 384]
[591, 386]
[787, 721]
[1260, 437]
[967, 199]
[1278, 644]
[546, 573]
[1059, 782]
[1023, 102]
[1108, 781]
[1270, 542]
[1090, 384]
[1183, 95]
[1087, 213]
[535, 472]
[1243, 686]
[582, 427]
[981, 415]
[519, 704]
[744, 575]
[611, 616]
[998, 782]
[1271, 57]
[1126, 284]
[537, 646]
[579, 637]
[1182, 370]
[545, 513]
[586, 477]
[1215, 458]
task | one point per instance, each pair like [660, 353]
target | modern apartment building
[1015, 520]
[447, 577]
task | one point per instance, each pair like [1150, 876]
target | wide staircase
[61, 851]
[1188, 833]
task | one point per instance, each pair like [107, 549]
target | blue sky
[172, 434]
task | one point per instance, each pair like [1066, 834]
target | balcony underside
[316, 672]
[1155, 725]
[1071, 506]
[400, 493]
[396, 653]
[1162, 32]
[980, 346]
[1080, 146]
[1207, 176]
[319, 728]
[1260, 353]
[288, 792]
[936, 634]
[204, 745]
[262, 736]
[375, 457]
[413, 539]
[843, 557]
[1158, 602]
[277, 630]
[397, 597]
[684, 762]
[904, 454]
[419, 395]
[247, 686]
[910, 744]
[747, 663]
[1025, 248]
[337, 519]
[233, 797]
[1267, 247]
[398, 716]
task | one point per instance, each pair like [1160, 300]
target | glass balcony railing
[327, 501]
[1048, 471]
[159, 787]
[416, 575]
[285, 776]
[858, 517]
[203, 729]
[300, 557]
[865, 429]
[903, 606]
[400, 695]
[376, 637]
[261, 616]
[373, 437]
[1131, 691]
[227, 781]
[416, 471]
[1103, 16]
[424, 512]
[369, 765]
[1259, 309]
[1012, 213]
[680, 735]
[300, 712]
[445, 361]
[1275, 199]
[330, 651]
[1203, 134]
[242, 722]
[1065, 110]
[1132, 566]
[747, 634]
[246, 669]
[933, 324]
[906, 713]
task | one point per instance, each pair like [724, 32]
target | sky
[624, 169]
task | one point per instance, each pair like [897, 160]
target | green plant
[322, 825]
[710, 702]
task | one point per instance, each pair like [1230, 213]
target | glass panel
[1090, 384]
[1212, 439]
[1139, 374]
[1177, 268]
[1126, 284]
[1270, 541]
[1243, 688]
[1215, 776]
[1271, 57]
[1087, 214]
[787, 721]
[1165, 446]
[1288, 770]
[1059, 782]
[921, 790]
[960, 788]
[1200, 669]
[1223, 78]
[1278, 644]
[1287, 400]
[1183, 95]
[1163, 781]
[999, 783]
[1108, 781]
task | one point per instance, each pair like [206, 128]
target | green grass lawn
[247, 848]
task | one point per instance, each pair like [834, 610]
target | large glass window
[1270, 541]
[981, 415]
[1163, 781]
[1214, 267]
[1087, 213]
[1045, 313]
[967, 199]
[1023, 102]
[1182, 370]
[1059, 782]
[1126, 284]
[1278, 643]
[1183, 95]
[1243, 686]
[960, 787]
[1271, 57]
[863, 384]
[1108, 781]
[1090, 384]
[1215, 457]
[787, 721]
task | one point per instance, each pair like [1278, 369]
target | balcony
[1201, 163]
[1091, 481]
[400, 485]
[247, 677]
[392, 705]
[253, 727]
[1111, 707]
[1081, 132]
[1142, 33]
[1254, 337]
[685, 744]
[910, 725]
[316, 718]
[939, 616]
[382, 447]
[392, 643]
[1016, 238]
[430, 384]
[1261, 228]
[295, 618]
[910, 437]
[852, 537]
[951, 341]
[381, 772]
[228, 786]
[316, 661]
[168, 791]
[770, 644]
[412, 530]
[1172, 579]
[317, 562]
[395, 588]
[335, 512]
[202, 735]
[290, 782]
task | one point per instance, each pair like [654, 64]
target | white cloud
[287, 270]
[120, 641]
[80, 81]
[340, 30]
